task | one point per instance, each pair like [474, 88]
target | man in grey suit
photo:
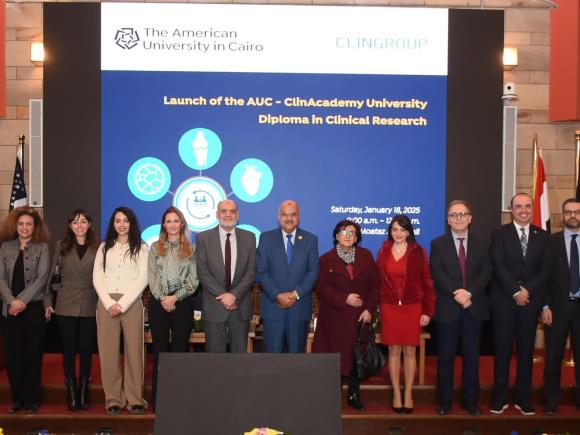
[226, 265]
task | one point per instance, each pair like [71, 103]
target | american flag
[18, 197]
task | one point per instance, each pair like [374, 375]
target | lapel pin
[299, 237]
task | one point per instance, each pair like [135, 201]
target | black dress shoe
[550, 409]
[407, 410]
[137, 409]
[443, 410]
[114, 410]
[353, 400]
[472, 409]
[15, 407]
[31, 408]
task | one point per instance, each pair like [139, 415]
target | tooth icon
[200, 148]
[251, 180]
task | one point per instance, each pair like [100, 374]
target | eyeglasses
[462, 215]
[347, 233]
[569, 213]
[288, 215]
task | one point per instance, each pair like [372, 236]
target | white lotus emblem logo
[251, 180]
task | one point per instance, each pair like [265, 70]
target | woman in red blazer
[407, 304]
[348, 287]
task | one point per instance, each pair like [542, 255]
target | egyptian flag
[541, 205]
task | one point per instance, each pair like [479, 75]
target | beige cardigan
[123, 276]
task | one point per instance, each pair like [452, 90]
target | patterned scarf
[347, 257]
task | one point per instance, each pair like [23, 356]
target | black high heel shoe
[353, 400]
[398, 409]
[84, 402]
[407, 410]
[72, 394]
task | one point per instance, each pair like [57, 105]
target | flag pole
[537, 358]
[577, 138]
[534, 163]
[21, 139]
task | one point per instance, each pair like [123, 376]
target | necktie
[524, 241]
[574, 267]
[462, 260]
[289, 247]
[228, 261]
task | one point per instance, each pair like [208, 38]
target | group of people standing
[100, 290]
[524, 275]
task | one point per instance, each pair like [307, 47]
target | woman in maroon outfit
[348, 287]
[407, 304]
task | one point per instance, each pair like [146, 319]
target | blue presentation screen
[199, 105]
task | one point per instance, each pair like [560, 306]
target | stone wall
[527, 27]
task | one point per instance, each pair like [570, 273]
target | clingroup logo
[127, 38]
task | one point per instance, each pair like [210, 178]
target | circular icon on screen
[151, 234]
[252, 180]
[200, 148]
[252, 229]
[197, 198]
[149, 179]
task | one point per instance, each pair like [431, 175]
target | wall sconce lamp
[37, 53]
[510, 58]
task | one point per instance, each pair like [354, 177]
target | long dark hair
[405, 223]
[69, 239]
[134, 234]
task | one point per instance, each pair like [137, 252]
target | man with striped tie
[522, 261]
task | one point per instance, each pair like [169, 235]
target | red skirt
[400, 324]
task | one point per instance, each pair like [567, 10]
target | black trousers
[78, 334]
[566, 320]
[169, 330]
[512, 323]
[23, 346]
[467, 330]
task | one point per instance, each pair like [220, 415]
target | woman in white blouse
[120, 276]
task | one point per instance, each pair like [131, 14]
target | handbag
[56, 281]
[368, 358]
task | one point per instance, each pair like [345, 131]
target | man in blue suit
[287, 270]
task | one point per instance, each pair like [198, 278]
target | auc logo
[127, 38]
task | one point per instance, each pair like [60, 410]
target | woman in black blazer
[76, 304]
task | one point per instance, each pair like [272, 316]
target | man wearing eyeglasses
[522, 263]
[287, 270]
[461, 270]
[561, 314]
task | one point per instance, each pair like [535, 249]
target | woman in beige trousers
[120, 276]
